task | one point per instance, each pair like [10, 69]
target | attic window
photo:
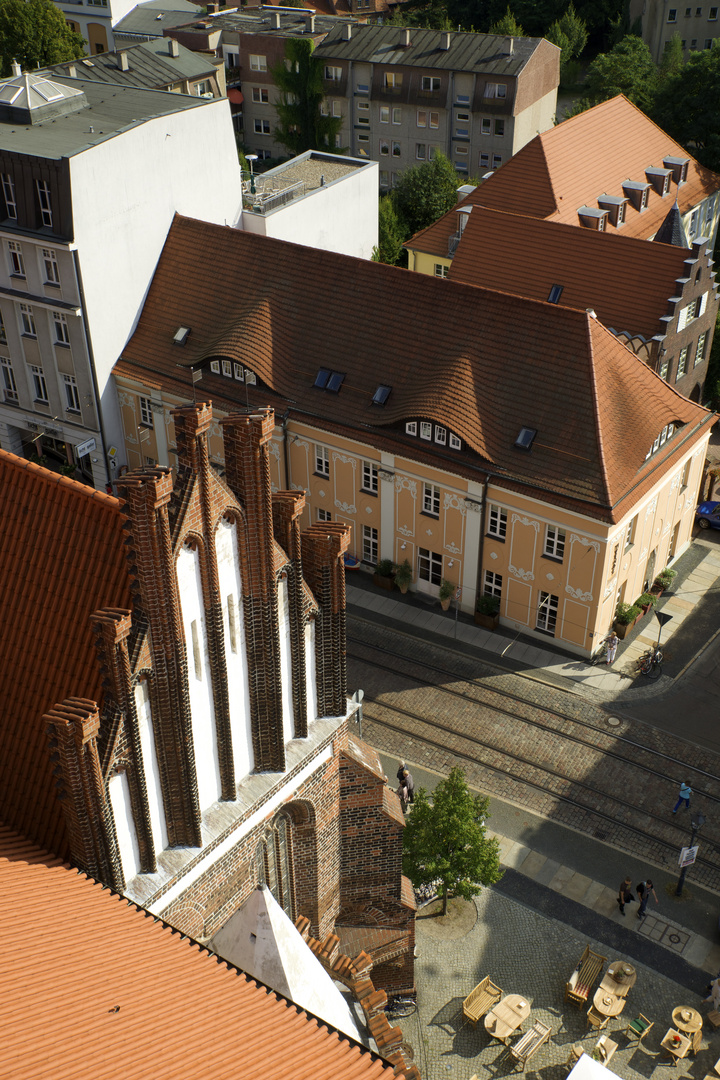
[381, 395]
[555, 294]
[664, 436]
[592, 218]
[679, 168]
[335, 382]
[615, 207]
[321, 379]
[181, 335]
[526, 438]
[660, 179]
[215, 367]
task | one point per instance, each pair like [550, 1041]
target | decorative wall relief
[523, 545]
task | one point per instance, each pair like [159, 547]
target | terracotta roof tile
[94, 987]
[483, 363]
[61, 549]
[589, 155]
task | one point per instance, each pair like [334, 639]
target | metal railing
[269, 193]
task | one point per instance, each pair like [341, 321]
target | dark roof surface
[672, 230]
[150, 66]
[483, 363]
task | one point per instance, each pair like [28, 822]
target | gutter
[91, 358]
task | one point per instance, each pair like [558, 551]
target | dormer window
[678, 167]
[592, 218]
[433, 433]
[636, 192]
[660, 439]
[660, 180]
[615, 206]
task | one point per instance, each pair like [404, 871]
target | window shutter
[682, 319]
[703, 303]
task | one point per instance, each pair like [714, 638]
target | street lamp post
[696, 824]
[250, 158]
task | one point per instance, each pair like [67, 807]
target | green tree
[391, 235]
[507, 26]
[627, 69]
[425, 192]
[34, 33]
[557, 36]
[673, 58]
[301, 124]
[688, 106]
[445, 840]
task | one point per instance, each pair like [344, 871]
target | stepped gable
[472, 359]
[98, 987]
[62, 555]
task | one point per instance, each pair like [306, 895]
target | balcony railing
[270, 193]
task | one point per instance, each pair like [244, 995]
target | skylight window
[335, 382]
[526, 438]
[381, 395]
[47, 90]
[321, 379]
[555, 294]
[181, 335]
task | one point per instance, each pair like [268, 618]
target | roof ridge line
[596, 404]
[57, 478]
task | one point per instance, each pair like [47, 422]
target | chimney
[463, 214]
[275, 20]
[445, 41]
[347, 31]
[310, 23]
[509, 45]
[122, 61]
[72, 71]
[173, 47]
[406, 38]
[16, 69]
[212, 7]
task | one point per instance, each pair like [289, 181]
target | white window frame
[27, 318]
[17, 262]
[261, 127]
[441, 271]
[258, 62]
[411, 427]
[8, 185]
[40, 392]
[42, 190]
[431, 500]
[62, 331]
[72, 394]
[682, 363]
[323, 515]
[3, 331]
[322, 461]
[369, 477]
[420, 151]
[495, 90]
[426, 430]
[430, 84]
[631, 530]
[260, 95]
[392, 80]
[397, 116]
[440, 435]
[9, 383]
[421, 118]
[547, 612]
[430, 566]
[554, 547]
[50, 264]
[454, 442]
[370, 544]
[486, 126]
[492, 584]
[332, 73]
[146, 413]
[700, 349]
[497, 521]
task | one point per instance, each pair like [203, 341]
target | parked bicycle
[401, 1006]
[651, 663]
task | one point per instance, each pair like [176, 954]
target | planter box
[384, 582]
[445, 604]
[490, 622]
[623, 629]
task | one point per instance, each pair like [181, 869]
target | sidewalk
[600, 683]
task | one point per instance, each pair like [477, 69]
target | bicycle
[401, 1006]
[651, 663]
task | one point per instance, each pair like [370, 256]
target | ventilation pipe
[406, 38]
[275, 20]
[509, 45]
[347, 31]
[16, 69]
[445, 41]
[310, 23]
[123, 62]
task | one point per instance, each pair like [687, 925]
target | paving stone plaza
[527, 953]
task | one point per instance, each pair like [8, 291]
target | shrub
[665, 578]
[626, 613]
[403, 573]
[645, 599]
[488, 605]
[384, 568]
[446, 589]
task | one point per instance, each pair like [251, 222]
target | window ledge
[366, 491]
[553, 558]
[61, 344]
[73, 412]
[31, 337]
[492, 536]
[41, 403]
[322, 475]
[427, 513]
[51, 284]
[547, 633]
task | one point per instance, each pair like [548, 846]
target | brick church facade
[223, 754]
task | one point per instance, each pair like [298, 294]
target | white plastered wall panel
[285, 662]
[119, 791]
[310, 673]
[226, 548]
[151, 767]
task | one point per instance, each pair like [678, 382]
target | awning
[235, 96]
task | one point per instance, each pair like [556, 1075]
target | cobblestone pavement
[527, 953]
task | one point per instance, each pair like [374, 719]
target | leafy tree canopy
[425, 192]
[627, 69]
[391, 234]
[34, 33]
[673, 58]
[507, 25]
[688, 106]
[446, 840]
[301, 125]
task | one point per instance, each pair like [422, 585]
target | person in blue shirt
[685, 793]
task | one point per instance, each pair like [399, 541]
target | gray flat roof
[258, 21]
[111, 110]
[150, 19]
[486, 53]
[150, 62]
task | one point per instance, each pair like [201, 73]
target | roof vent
[346, 32]
[405, 42]
[16, 69]
[445, 41]
[160, 16]
[526, 438]
[275, 20]
[310, 23]
[181, 335]
[123, 61]
[591, 312]
[72, 71]
[509, 46]
[173, 47]
[381, 395]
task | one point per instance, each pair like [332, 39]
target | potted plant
[403, 575]
[626, 616]
[383, 575]
[487, 611]
[446, 593]
[646, 601]
[663, 581]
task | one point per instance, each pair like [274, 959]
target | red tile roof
[93, 987]
[589, 155]
[627, 282]
[483, 363]
[61, 549]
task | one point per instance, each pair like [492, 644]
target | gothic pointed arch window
[274, 863]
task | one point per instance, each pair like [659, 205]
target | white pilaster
[387, 508]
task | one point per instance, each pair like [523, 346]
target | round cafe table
[608, 1004]
[686, 1019]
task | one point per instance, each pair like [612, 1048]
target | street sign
[86, 447]
[662, 618]
[688, 855]
[457, 593]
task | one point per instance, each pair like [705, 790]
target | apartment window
[42, 189]
[493, 584]
[28, 321]
[3, 332]
[336, 108]
[433, 119]
[8, 188]
[672, 15]
[396, 149]
[72, 396]
[455, 443]
[370, 477]
[462, 99]
[425, 430]
[411, 427]
[462, 132]
[708, 43]
[384, 178]
[554, 542]
[260, 95]
[440, 435]
[397, 116]
[499, 127]
[324, 515]
[227, 369]
[8, 379]
[497, 161]
[146, 413]
[664, 369]
[693, 44]
[333, 74]
[484, 161]
[432, 150]
[370, 544]
[421, 118]
[495, 90]
[420, 151]
[52, 274]
[441, 271]
[463, 117]
[688, 12]
[547, 613]
[431, 500]
[630, 537]
[393, 80]
[384, 147]
[17, 263]
[431, 83]
[461, 151]
[692, 228]
[429, 566]
[713, 14]
[363, 88]
[682, 363]
[364, 113]
[497, 522]
[700, 350]
[62, 334]
[486, 126]
[363, 138]
[613, 562]
[39, 385]
[384, 114]
[322, 461]
[258, 63]
[262, 127]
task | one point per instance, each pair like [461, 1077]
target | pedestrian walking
[399, 773]
[684, 797]
[611, 644]
[643, 890]
[625, 894]
[407, 790]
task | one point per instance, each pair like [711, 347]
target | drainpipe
[91, 358]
